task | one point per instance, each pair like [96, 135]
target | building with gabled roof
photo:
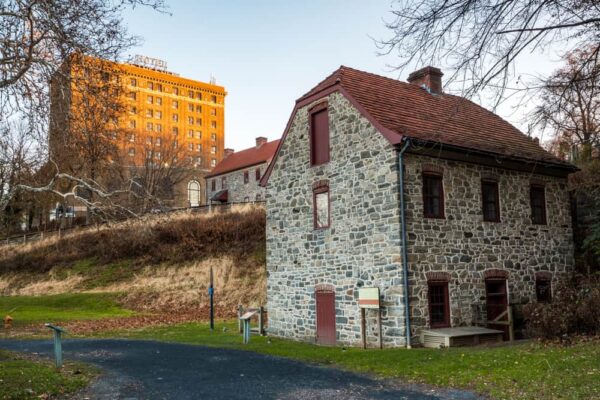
[236, 178]
[448, 210]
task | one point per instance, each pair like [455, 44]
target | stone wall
[465, 246]
[362, 247]
[237, 190]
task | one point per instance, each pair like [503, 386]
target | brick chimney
[260, 141]
[228, 152]
[430, 77]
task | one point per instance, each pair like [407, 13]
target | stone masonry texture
[362, 247]
[237, 190]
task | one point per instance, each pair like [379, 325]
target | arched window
[194, 193]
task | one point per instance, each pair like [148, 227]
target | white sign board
[368, 297]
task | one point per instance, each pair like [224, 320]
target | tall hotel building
[158, 110]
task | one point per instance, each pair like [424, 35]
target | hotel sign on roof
[150, 62]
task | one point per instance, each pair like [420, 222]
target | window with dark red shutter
[319, 135]
[257, 172]
[246, 177]
[538, 204]
[433, 196]
[490, 201]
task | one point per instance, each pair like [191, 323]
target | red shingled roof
[404, 109]
[245, 158]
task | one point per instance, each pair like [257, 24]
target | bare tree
[480, 40]
[38, 37]
[569, 107]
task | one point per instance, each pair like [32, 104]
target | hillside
[159, 265]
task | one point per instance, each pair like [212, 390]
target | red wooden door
[325, 317]
[496, 303]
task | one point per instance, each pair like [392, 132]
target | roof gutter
[406, 145]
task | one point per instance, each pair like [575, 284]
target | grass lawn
[24, 377]
[61, 307]
[524, 371]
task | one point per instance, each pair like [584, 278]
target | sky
[267, 53]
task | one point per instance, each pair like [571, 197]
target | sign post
[58, 331]
[211, 292]
[368, 298]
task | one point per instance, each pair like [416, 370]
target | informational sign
[368, 297]
[150, 62]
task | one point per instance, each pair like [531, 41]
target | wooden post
[379, 323]
[363, 328]
[240, 313]
[511, 330]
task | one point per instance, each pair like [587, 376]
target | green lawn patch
[23, 377]
[61, 307]
[96, 274]
[523, 371]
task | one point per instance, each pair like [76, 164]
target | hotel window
[159, 87]
[213, 124]
[176, 91]
[190, 120]
[133, 82]
[439, 304]
[191, 146]
[175, 130]
[543, 289]
[198, 108]
[158, 128]
[149, 99]
[132, 123]
[198, 135]
[148, 139]
[246, 177]
[175, 117]
[213, 111]
[149, 126]
[157, 154]
[191, 94]
[158, 141]
[199, 96]
[158, 114]
[433, 196]
[213, 162]
[213, 185]
[198, 121]
[213, 149]
[190, 107]
[537, 198]
[198, 161]
[175, 104]
[148, 155]
[490, 201]
[175, 144]
[199, 147]
[319, 134]
[191, 133]
[213, 136]
[257, 174]
[133, 110]
[213, 98]
[321, 207]
[131, 137]
[150, 85]
[132, 95]
[159, 101]
[131, 152]
[149, 113]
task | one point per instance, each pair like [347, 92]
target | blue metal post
[211, 292]
[57, 331]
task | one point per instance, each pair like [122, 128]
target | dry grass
[155, 240]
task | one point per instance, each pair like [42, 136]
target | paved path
[154, 370]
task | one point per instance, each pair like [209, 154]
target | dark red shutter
[319, 137]
[257, 174]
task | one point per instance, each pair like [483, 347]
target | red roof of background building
[245, 158]
[404, 109]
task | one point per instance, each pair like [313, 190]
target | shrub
[574, 310]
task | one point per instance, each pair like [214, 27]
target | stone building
[486, 219]
[236, 179]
